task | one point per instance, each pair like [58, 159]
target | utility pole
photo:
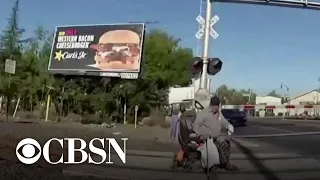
[318, 96]
[285, 98]
[318, 90]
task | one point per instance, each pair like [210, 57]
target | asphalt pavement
[265, 149]
[292, 139]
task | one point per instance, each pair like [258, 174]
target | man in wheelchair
[208, 123]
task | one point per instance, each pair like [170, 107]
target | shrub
[72, 117]
[165, 124]
[149, 121]
[269, 114]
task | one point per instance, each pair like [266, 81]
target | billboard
[112, 50]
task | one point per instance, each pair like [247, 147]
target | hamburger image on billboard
[97, 48]
[117, 49]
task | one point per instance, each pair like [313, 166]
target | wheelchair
[189, 144]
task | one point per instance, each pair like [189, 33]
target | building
[311, 97]
[181, 94]
[269, 100]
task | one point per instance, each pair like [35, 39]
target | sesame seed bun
[120, 36]
[125, 62]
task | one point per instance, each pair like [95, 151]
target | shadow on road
[261, 168]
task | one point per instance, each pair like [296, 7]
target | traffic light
[214, 66]
[197, 65]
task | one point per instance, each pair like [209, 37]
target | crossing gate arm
[270, 106]
[303, 4]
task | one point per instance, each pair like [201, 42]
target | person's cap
[214, 101]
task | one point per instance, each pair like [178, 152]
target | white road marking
[246, 143]
[279, 135]
[273, 128]
[301, 120]
[315, 125]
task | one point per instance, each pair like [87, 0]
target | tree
[11, 38]
[10, 48]
[164, 64]
[273, 93]
[165, 61]
[235, 97]
[249, 95]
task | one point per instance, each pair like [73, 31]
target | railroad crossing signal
[201, 21]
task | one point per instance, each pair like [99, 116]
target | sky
[261, 46]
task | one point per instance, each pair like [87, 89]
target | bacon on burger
[118, 49]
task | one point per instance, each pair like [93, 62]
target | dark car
[235, 116]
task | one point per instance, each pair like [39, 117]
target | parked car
[235, 116]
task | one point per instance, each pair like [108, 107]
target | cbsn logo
[31, 150]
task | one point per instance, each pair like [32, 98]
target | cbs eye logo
[28, 151]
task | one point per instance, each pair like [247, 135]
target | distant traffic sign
[10, 66]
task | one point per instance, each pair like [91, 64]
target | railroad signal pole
[206, 30]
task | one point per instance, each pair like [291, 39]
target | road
[283, 157]
[301, 144]
[259, 158]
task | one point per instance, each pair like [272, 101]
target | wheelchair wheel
[189, 166]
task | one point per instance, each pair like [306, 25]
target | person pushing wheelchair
[209, 123]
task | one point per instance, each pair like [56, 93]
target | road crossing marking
[279, 135]
[246, 143]
[273, 128]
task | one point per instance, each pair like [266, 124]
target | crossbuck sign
[201, 21]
